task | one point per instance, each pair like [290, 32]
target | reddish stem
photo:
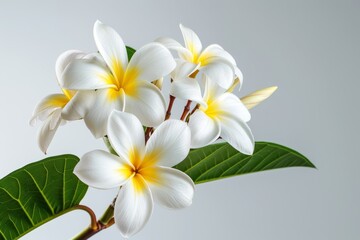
[168, 112]
[186, 110]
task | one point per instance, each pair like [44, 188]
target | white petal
[112, 48]
[192, 41]
[172, 188]
[217, 51]
[55, 118]
[100, 169]
[97, 116]
[64, 59]
[126, 136]
[212, 89]
[79, 105]
[231, 106]
[47, 133]
[187, 89]
[86, 74]
[183, 69]
[219, 71]
[149, 63]
[147, 104]
[237, 134]
[169, 144]
[204, 130]
[240, 76]
[171, 44]
[133, 206]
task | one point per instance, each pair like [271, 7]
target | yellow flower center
[143, 169]
[122, 80]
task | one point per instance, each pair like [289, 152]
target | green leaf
[130, 52]
[37, 193]
[219, 161]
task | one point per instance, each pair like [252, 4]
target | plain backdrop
[309, 49]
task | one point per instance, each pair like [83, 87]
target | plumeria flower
[119, 84]
[223, 116]
[214, 61]
[143, 171]
[50, 108]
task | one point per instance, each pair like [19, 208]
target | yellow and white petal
[79, 105]
[47, 106]
[169, 144]
[238, 134]
[64, 59]
[86, 74]
[192, 41]
[217, 51]
[126, 136]
[147, 103]
[149, 63]
[204, 130]
[187, 89]
[100, 169]
[133, 206]
[230, 105]
[48, 130]
[112, 48]
[171, 187]
[219, 71]
[97, 117]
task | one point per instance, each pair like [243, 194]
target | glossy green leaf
[130, 52]
[37, 193]
[219, 161]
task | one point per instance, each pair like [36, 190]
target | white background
[310, 49]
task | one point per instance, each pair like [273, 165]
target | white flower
[214, 61]
[223, 116]
[143, 171]
[50, 108]
[119, 84]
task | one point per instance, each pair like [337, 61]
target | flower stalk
[105, 221]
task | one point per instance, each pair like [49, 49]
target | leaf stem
[105, 221]
[93, 223]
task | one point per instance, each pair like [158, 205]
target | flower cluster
[118, 97]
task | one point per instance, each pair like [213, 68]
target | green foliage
[219, 161]
[37, 193]
[130, 52]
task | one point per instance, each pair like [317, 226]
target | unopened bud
[253, 99]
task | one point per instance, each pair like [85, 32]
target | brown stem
[107, 220]
[168, 112]
[148, 132]
[186, 110]
[195, 108]
[93, 223]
